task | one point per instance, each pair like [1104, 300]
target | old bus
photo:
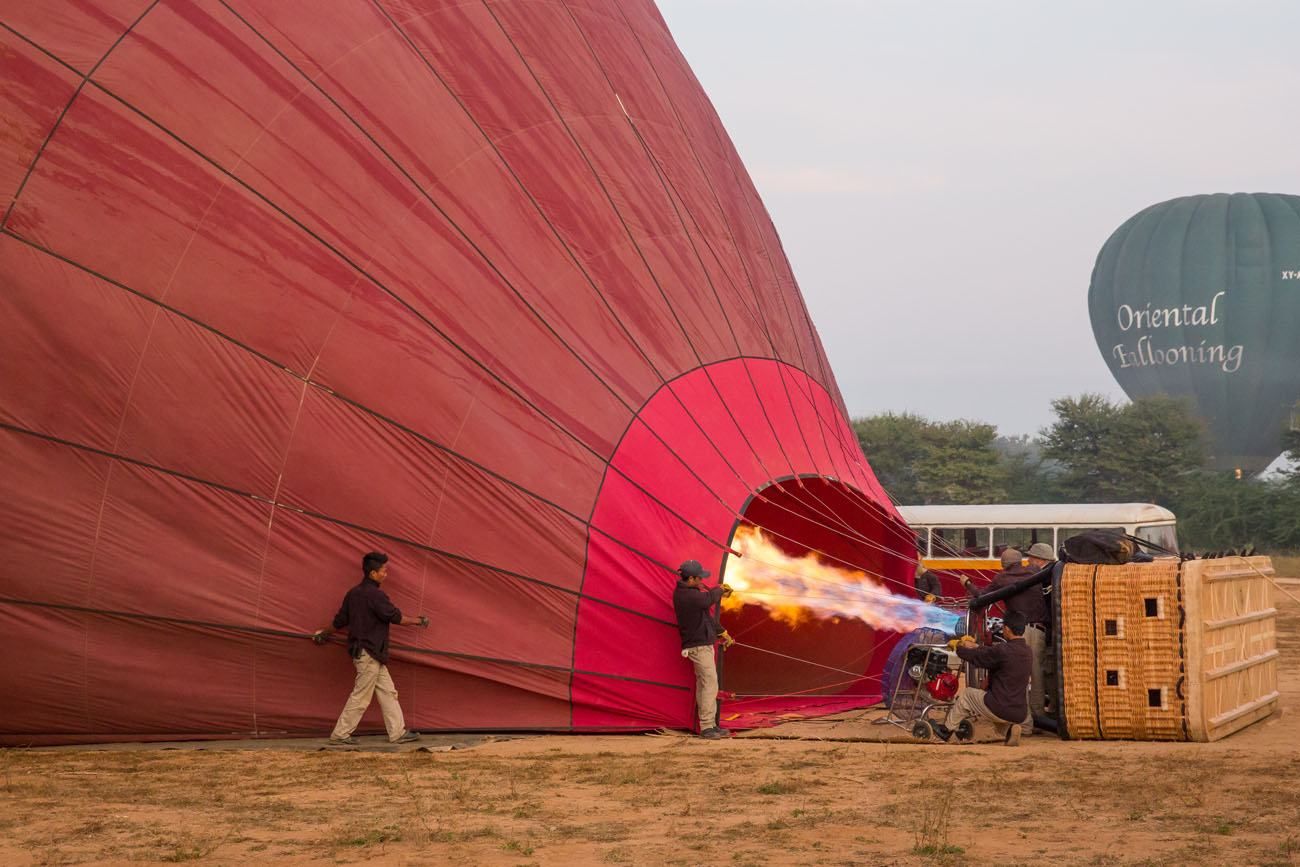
[970, 539]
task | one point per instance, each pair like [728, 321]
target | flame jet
[796, 589]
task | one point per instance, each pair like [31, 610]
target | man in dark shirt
[698, 625]
[1033, 605]
[1039, 556]
[366, 613]
[1004, 703]
[927, 583]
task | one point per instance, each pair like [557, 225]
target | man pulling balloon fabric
[700, 631]
[367, 612]
[1004, 703]
[1031, 603]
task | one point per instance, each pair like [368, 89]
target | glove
[969, 640]
[929, 597]
[726, 639]
[726, 589]
[424, 621]
[953, 642]
[320, 637]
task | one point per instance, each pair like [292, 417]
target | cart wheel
[921, 730]
[965, 731]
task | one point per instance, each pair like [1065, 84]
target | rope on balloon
[743, 698]
[663, 293]
[830, 513]
[909, 556]
[361, 270]
[713, 384]
[670, 189]
[679, 457]
[856, 675]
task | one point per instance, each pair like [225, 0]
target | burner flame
[797, 590]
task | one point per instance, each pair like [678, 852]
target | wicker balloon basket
[1165, 651]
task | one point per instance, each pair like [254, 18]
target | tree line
[1150, 450]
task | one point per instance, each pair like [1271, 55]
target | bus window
[1019, 538]
[944, 543]
[1160, 534]
[953, 542]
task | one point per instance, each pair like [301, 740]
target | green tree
[1217, 510]
[960, 465]
[1291, 445]
[893, 443]
[1109, 452]
[1164, 443]
[924, 462]
[1077, 441]
[1030, 478]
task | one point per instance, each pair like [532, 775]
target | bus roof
[1036, 515]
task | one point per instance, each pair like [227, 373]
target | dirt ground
[675, 800]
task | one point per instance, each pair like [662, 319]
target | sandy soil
[676, 800]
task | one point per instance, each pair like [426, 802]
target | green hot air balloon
[1199, 297]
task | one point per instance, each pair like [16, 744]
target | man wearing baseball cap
[693, 603]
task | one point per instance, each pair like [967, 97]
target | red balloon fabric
[483, 285]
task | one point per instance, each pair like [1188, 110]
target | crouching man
[700, 631]
[1006, 702]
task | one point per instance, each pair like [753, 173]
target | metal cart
[913, 707]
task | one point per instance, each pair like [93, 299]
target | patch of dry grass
[1286, 565]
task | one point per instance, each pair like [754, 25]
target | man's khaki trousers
[970, 703]
[706, 685]
[1036, 638]
[372, 679]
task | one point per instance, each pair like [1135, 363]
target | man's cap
[692, 569]
[1011, 557]
[1042, 551]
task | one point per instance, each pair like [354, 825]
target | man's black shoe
[941, 731]
[713, 734]
[407, 737]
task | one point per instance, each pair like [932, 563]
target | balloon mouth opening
[815, 533]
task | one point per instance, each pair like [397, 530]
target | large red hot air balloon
[483, 285]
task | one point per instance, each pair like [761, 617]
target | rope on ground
[754, 696]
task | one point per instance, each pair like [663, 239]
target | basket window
[1112, 627]
[1156, 697]
[1151, 606]
[1112, 677]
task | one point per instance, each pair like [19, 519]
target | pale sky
[943, 174]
